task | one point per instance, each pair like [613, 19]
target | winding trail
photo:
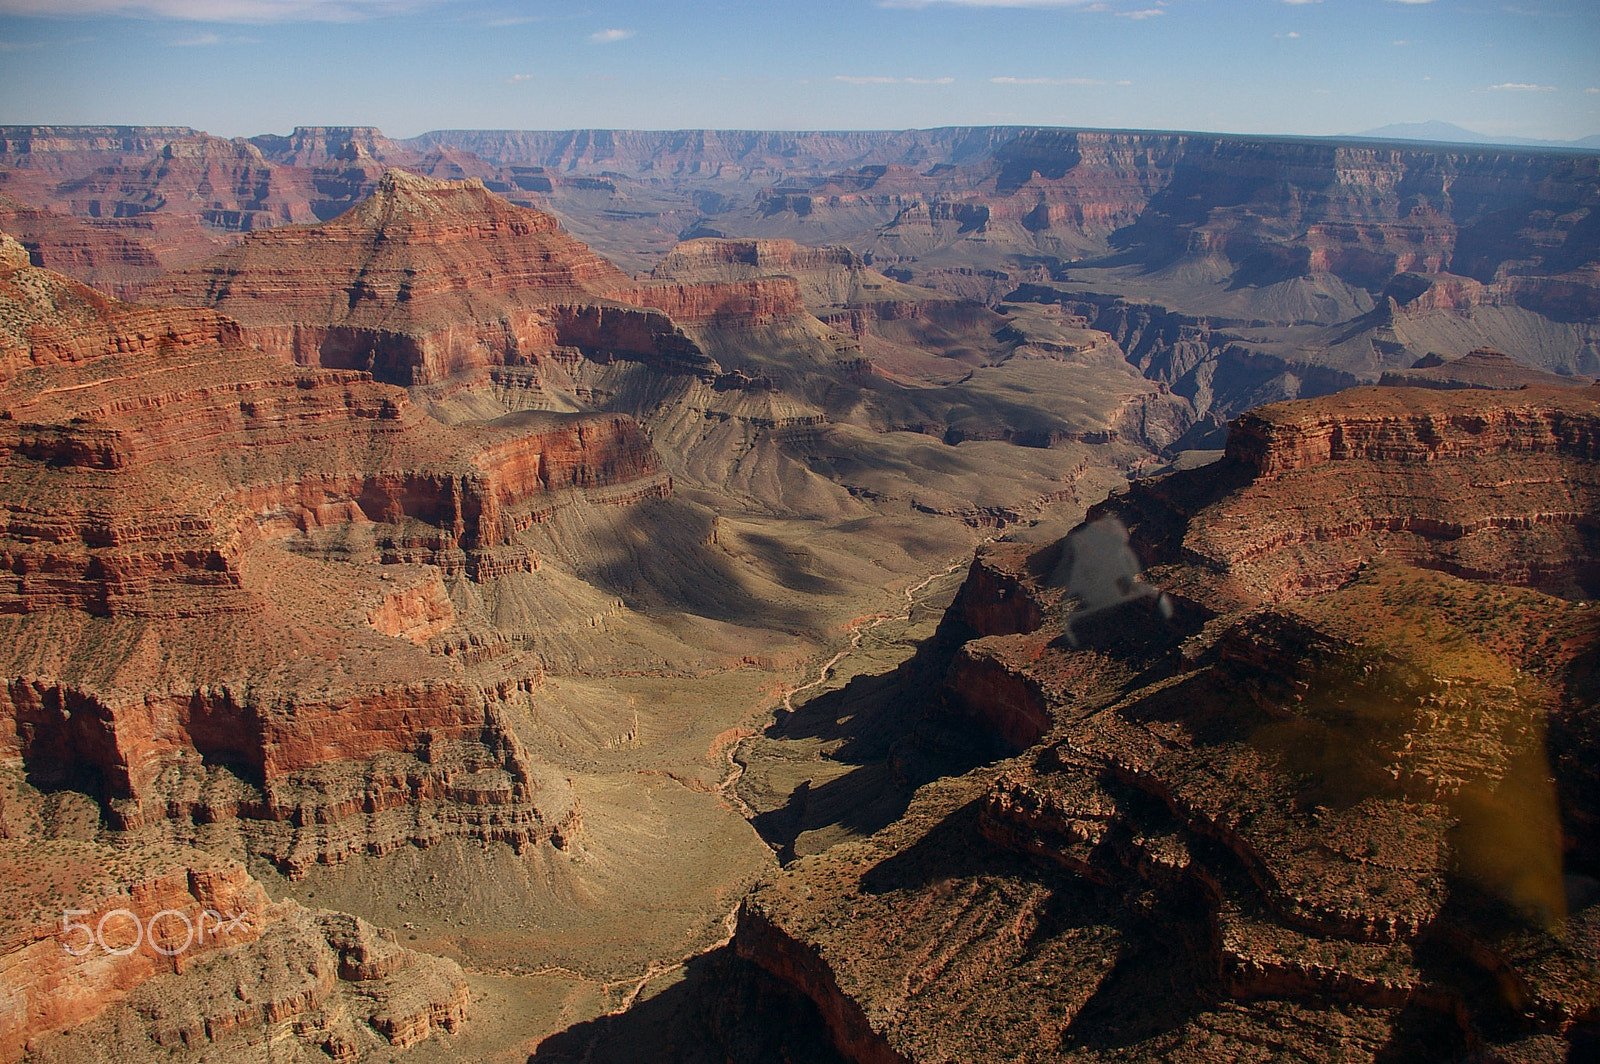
[727, 788]
[858, 629]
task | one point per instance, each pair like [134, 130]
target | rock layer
[170, 658]
[426, 279]
[1501, 490]
[1322, 803]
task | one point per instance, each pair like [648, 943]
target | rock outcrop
[154, 468]
[109, 395]
[76, 149]
[167, 950]
[116, 261]
[119, 199]
[1235, 270]
[426, 279]
[1480, 368]
[314, 146]
[1318, 796]
[827, 276]
[1498, 489]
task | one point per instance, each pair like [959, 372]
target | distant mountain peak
[1430, 130]
[1436, 131]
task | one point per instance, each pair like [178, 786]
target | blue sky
[241, 67]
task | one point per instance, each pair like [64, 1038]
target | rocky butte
[1335, 801]
[503, 285]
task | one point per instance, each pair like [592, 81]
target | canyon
[575, 591]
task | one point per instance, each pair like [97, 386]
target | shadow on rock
[893, 729]
[953, 848]
[725, 1010]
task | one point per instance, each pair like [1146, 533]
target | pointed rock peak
[406, 199]
[401, 181]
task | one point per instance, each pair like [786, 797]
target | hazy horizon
[1262, 67]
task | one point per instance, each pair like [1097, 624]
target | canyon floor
[669, 849]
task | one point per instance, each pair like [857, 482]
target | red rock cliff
[150, 463]
[427, 278]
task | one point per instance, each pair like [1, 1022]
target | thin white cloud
[988, 3]
[610, 36]
[1410, 1]
[878, 79]
[1045, 81]
[1401, 44]
[1290, 36]
[1593, 89]
[513, 79]
[1297, 3]
[206, 40]
[1084, 5]
[1520, 86]
[220, 10]
[20, 46]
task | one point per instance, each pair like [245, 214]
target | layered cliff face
[1250, 212]
[109, 395]
[424, 279]
[175, 196]
[695, 151]
[1498, 490]
[449, 287]
[76, 149]
[1265, 210]
[827, 277]
[228, 183]
[900, 330]
[314, 146]
[101, 172]
[115, 261]
[1330, 806]
[242, 615]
